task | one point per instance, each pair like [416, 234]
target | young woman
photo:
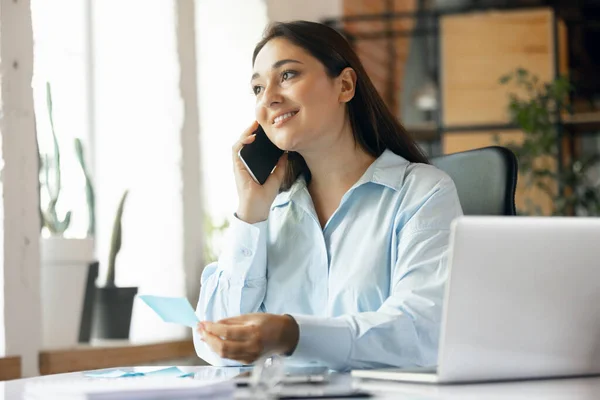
[339, 258]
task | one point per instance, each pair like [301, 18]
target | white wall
[19, 249]
[190, 149]
[311, 10]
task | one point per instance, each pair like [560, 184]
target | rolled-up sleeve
[405, 330]
[235, 284]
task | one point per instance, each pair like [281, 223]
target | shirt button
[246, 252]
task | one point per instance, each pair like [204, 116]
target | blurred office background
[157, 91]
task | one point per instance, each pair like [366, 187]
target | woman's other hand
[255, 200]
[248, 337]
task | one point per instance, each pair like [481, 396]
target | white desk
[559, 389]
[563, 389]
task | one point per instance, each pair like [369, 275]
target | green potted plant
[113, 305]
[64, 260]
[534, 109]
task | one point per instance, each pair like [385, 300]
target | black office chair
[485, 179]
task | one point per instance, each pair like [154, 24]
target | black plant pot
[85, 327]
[112, 312]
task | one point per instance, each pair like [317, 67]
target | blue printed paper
[112, 373]
[171, 371]
[172, 309]
[118, 373]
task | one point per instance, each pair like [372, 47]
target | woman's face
[297, 103]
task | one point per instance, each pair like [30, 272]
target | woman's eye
[256, 89]
[287, 75]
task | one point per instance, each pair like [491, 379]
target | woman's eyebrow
[278, 64]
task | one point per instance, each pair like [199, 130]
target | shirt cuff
[244, 256]
[323, 340]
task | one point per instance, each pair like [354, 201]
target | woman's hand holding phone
[254, 199]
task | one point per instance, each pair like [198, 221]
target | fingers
[249, 130]
[241, 143]
[239, 320]
[226, 348]
[231, 332]
[243, 351]
[244, 138]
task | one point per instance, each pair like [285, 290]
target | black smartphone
[260, 157]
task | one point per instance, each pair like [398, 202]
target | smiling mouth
[282, 118]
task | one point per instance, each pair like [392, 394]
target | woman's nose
[271, 96]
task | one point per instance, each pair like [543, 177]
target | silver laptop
[522, 302]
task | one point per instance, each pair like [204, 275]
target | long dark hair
[374, 127]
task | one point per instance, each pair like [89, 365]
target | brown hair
[374, 127]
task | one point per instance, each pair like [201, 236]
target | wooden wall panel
[374, 54]
[477, 49]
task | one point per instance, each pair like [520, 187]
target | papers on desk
[118, 373]
[115, 373]
[177, 310]
[141, 388]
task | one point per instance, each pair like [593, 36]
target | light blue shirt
[366, 290]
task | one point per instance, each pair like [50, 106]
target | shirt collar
[387, 170]
[285, 197]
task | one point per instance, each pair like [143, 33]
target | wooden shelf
[578, 123]
[10, 368]
[113, 355]
[583, 122]
[582, 117]
[425, 132]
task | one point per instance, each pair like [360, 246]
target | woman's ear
[348, 85]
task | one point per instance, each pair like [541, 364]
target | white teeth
[284, 117]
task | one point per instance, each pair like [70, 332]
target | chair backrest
[485, 179]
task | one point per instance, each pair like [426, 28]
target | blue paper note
[172, 309]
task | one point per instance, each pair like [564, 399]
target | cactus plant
[115, 242]
[89, 188]
[50, 217]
